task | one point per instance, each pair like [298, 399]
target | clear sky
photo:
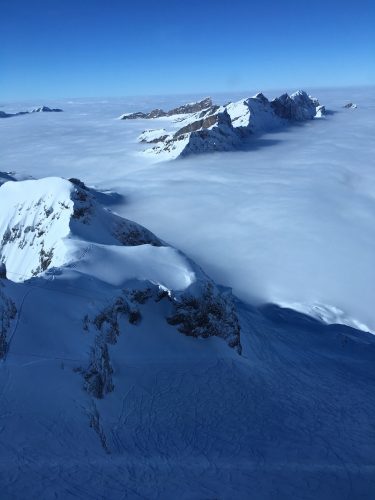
[85, 48]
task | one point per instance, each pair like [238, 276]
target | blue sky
[68, 48]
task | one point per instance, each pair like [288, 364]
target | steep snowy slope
[204, 127]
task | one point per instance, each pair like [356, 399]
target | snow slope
[296, 416]
[115, 383]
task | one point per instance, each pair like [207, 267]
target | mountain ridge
[210, 128]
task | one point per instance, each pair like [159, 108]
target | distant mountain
[224, 128]
[350, 105]
[3, 114]
[42, 109]
[46, 109]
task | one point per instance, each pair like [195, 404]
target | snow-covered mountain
[126, 372]
[53, 225]
[203, 127]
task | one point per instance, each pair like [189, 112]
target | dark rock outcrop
[206, 122]
[3, 271]
[208, 314]
[98, 375]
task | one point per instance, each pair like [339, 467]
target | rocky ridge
[192, 107]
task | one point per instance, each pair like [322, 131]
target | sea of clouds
[290, 219]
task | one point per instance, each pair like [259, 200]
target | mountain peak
[206, 127]
[51, 227]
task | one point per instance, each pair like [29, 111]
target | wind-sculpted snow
[207, 127]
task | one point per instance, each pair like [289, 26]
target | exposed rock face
[193, 107]
[206, 122]
[98, 375]
[214, 133]
[208, 314]
[159, 113]
[223, 128]
[350, 105]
